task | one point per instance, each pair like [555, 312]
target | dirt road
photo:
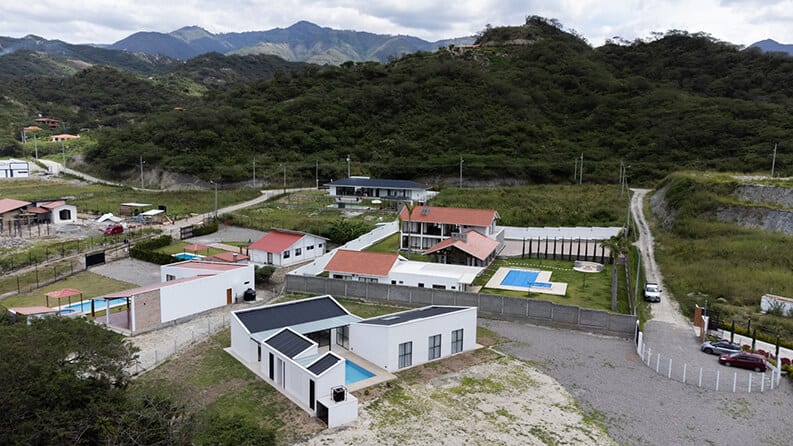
[667, 310]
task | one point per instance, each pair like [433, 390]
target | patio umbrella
[63, 292]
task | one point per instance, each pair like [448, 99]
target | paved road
[640, 407]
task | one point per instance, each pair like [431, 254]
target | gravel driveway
[640, 407]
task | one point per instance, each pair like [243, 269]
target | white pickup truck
[652, 292]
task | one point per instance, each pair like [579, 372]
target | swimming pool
[354, 373]
[85, 306]
[187, 256]
[525, 279]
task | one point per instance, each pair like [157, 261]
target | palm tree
[617, 246]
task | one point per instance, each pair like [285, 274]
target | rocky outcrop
[758, 217]
[757, 193]
[659, 207]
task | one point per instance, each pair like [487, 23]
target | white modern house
[188, 288]
[400, 340]
[14, 168]
[365, 187]
[281, 247]
[388, 268]
[299, 347]
[55, 211]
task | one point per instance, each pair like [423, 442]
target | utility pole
[581, 170]
[36, 145]
[216, 198]
[63, 151]
[622, 179]
[575, 169]
[316, 173]
[284, 165]
[461, 171]
[141, 171]
[773, 161]
[348, 165]
[638, 267]
[254, 172]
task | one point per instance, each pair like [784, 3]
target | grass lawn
[89, 283]
[594, 294]
[391, 245]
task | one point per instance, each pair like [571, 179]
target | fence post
[684, 372]
[734, 381]
[658, 363]
[670, 369]
[700, 379]
[762, 384]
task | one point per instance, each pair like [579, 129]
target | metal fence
[716, 378]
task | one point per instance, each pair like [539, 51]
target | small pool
[187, 256]
[85, 306]
[354, 373]
[524, 279]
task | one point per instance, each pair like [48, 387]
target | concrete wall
[530, 310]
[146, 310]
[238, 279]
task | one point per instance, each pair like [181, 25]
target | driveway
[130, 270]
[638, 406]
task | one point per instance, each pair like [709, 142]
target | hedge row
[145, 251]
[206, 229]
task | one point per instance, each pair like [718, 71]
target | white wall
[241, 342]
[238, 279]
[260, 257]
[192, 297]
[381, 344]
[56, 214]
[413, 279]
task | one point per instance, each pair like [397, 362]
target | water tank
[249, 295]
[339, 394]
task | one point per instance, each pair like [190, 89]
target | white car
[652, 292]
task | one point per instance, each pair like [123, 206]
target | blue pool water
[85, 306]
[354, 373]
[187, 256]
[524, 279]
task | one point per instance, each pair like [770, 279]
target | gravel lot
[130, 270]
[640, 407]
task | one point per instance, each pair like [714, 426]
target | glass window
[286, 254]
[309, 247]
[434, 347]
[298, 251]
[405, 355]
[457, 341]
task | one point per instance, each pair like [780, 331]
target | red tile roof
[38, 210]
[31, 128]
[360, 262]
[9, 204]
[456, 216]
[229, 257]
[53, 204]
[276, 241]
[475, 244]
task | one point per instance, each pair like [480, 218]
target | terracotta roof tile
[475, 244]
[458, 216]
[361, 262]
[276, 241]
[9, 204]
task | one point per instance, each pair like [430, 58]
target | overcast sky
[107, 21]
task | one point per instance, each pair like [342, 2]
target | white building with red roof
[460, 235]
[281, 247]
[55, 212]
[393, 269]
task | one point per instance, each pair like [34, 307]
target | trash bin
[249, 295]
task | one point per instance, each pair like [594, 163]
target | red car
[743, 360]
[113, 230]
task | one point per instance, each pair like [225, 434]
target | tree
[263, 273]
[617, 246]
[65, 381]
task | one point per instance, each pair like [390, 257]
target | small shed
[132, 208]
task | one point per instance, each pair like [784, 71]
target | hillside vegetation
[525, 104]
[705, 258]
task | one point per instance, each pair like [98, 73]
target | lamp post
[141, 171]
[348, 165]
[284, 166]
[216, 198]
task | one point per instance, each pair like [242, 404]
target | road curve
[667, 310]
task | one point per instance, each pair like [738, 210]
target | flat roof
[461, 273]
[411, 315]
[152, 287]
[28, 311]
[207, 265]
[381, 183]
[137, 205]
[152, 212]
[289, 343]
[288, 314]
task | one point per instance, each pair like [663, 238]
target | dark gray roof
[288, 343]
[420, 313]
[292, 313]
[373, 182]
[323, 363]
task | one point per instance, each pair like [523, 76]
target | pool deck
[557, 288]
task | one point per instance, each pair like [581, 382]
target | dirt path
[667, 310]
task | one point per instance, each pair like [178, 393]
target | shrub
[263, 273]
[206, 229]
[144, 250]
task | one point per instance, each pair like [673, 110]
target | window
[319, 245]
[286, 254]
[421, 285]
[457, 341]
[405, 355]
[169, 277]
[434, 347]
[298, 251]
[393, 282]
[438, 287]
[309, 247]
[343, 336]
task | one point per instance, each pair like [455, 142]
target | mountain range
[772, 46]
[301, 42]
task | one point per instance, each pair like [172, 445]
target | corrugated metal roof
[289, 343]
[324, 363]
[373, 182]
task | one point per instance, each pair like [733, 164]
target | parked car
[113, 230]
[743, 360]
[719, 347]
[652, 292]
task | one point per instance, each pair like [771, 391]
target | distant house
[63, 137]
[31, 128]
[394, 269]
[281, 247]
[426, 226]
[55, 212]
[365, 187]
[468, 248]
[13, 168]
[49, 122]
[13, 210]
